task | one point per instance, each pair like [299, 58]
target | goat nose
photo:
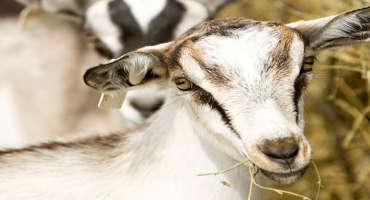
[146, 108]
[282, 150]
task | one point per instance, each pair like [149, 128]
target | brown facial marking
[213, 71]
[279, 58]
[176, 51]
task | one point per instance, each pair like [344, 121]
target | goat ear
[130, 70]
[345, 29]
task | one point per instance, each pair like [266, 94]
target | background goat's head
[116, 27]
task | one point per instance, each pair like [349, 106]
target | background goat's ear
[345, 29]
[132, 69]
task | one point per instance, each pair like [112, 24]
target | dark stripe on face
[121, 15]
[176, 52]
[161, 28]
[279, 58]
[205, 98]
[299, 85]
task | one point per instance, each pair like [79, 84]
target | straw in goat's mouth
[253, 171]
[284, 177]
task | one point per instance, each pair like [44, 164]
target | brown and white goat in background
[236, 93]
[42, 95]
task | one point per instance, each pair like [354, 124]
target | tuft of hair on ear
[143, 67]
[138, 67]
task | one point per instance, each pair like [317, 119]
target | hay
[253, 171]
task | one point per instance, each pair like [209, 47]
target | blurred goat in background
[41, 90]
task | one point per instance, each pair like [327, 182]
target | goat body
[160, 160]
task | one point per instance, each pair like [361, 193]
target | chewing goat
[236, 93]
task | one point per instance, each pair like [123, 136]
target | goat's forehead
[243, 52]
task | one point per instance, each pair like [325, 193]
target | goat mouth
[285, 178]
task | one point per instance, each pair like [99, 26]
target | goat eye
[307, 64]
[183, 84]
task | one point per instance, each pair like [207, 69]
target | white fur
[144, 11]
[251, 93]
[195, 13]
[98, 18]
[10, 130]
[160, 162]
[247, 51]
[147, 96]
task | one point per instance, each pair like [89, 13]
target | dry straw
[253, 171]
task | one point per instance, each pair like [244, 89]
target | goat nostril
[283, 150]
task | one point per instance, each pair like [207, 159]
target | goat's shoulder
[92, 149]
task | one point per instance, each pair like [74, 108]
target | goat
[236, 90]
[120, 26]
[41, 93]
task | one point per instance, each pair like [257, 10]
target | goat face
[242, 82]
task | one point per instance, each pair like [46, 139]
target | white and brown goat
[235, 92]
